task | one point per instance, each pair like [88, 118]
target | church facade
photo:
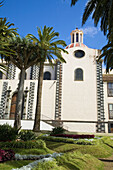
[77, 95]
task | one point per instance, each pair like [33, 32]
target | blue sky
[28, 14]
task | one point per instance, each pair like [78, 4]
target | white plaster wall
[48, 96]
[80, 127]
[48, 99]
[28, 124]
[79, 98]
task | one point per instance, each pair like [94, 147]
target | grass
[13, 164]
[99, 150]
[31, 151]
[72, 161]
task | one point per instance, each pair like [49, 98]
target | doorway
[13, 106]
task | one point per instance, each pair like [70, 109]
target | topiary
[8, 133]
[57, 130]
[27, 135]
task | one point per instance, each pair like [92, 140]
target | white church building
[77, 94]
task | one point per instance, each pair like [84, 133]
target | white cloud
[90, 31]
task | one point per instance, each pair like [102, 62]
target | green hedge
[39, 144]
[66, 140]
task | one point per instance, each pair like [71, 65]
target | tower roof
[77, 44]
[76, 39]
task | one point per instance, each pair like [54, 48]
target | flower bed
[6, 155]
[74, 136]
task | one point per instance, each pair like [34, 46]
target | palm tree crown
[48, 43]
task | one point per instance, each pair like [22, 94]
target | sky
[27, 15]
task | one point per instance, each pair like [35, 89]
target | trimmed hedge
[66, 140]
[74, 136]
[39, 144]
[56, 139]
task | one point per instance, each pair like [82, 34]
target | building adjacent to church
[78, 94]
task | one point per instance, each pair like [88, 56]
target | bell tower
[77, 36]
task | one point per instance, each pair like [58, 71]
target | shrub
[56, 139]
[8, 133]
[66, 140]
[39, 144]
[6, 155]
[57, 130]
[27, 135]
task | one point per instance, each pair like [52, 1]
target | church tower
[77, 36]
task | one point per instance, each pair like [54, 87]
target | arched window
[79, 74]
[47, 75]
[1, 74]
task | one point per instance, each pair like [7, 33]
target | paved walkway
[108, 163]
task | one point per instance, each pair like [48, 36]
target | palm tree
[107, 53]
[5, 33]
[101, 11]
[1, 3]
[49, 46]
[26, 54]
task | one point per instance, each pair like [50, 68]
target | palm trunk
[17, 123]
[39, 98]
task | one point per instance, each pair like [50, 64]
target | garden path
[108, 163]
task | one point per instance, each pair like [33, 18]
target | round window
[79, 53]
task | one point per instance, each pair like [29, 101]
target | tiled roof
[75, 45]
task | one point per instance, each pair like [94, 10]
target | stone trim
[58, 92]
[100, 99]
[3, 100]
[31, 100]
[34, 73]
[11, 71]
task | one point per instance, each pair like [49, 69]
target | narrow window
[73, 38]
[79, 74]
[110, 89]
[47, 75]
[1, 74]
[76, 37]
[110, 108]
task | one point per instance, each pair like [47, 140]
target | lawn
[75, 156]
[99, 150]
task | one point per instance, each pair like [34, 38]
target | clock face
[79, 53]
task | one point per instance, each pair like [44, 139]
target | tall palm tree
[26, 54]
[6, 32]
[1, 3]
[50, 46]
[107, 53]
[101, 10]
